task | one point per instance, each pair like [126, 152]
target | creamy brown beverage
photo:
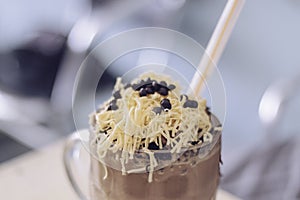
[151, 142]
[183, 181]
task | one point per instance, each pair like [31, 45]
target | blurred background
[43, 42]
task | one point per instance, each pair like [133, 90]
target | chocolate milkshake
[151, 142]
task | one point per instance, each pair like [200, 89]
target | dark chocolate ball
[190, 104]
[166, 104]
[143, 92]
[171, 87]
[150, 89]
[157, 110]
[163, 91]
[156, 86]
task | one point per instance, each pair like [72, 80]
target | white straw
[217, 43]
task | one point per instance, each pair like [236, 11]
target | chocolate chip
[190, 104]
[138, 86]
[157, 110]
[165, 104]
[143, 92]
[112, 106]
[114, 101]
[163, 91]
[150, 89]
[142, 84]
[183, 96]
[201, 138]
[153, 146]
[163, 83]
[194, 142]
[171, 87]
[207, 110]
[117, 95]
[127, 86]
[103, 132]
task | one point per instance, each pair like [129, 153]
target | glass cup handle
[72, 148]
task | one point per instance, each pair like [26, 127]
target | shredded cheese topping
[133, 126]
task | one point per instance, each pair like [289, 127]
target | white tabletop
[40, 175]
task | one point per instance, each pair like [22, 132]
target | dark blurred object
[96, 3]
[30, 70]
[9, 148]
[268, 171]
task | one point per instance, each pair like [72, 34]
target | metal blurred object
[275, 100]
[270, 168]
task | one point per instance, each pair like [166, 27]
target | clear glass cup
[194, 174]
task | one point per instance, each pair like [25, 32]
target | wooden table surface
[40, 175]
